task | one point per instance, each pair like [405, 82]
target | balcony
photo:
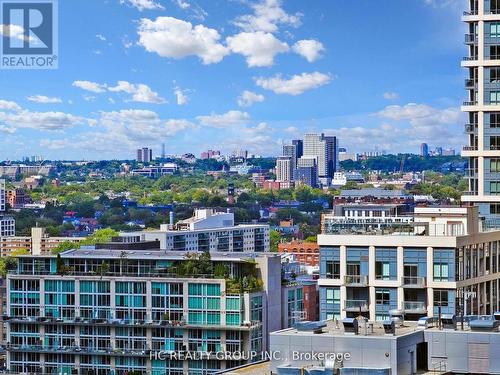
[470, 128]
[415, 307]
[469, 58]
[469, 103]
[471, 173]
[472, 12]
[413, 282]
[470, 38]
[356, 305]
[470, 84]
[469, 148]
[356, 280]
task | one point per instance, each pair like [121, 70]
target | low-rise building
[38, 243]
[7, 226]
[306, 253]
[208, 230]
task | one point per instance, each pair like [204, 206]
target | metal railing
[413, 281]
[356, 280]
[469, 103]
[469, 148]
[472, 12]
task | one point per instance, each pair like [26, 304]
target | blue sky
[230, 74]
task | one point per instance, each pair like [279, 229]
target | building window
[494, 97]
[495, 165]
[494, 75]
[494, 120]
[382, 297]
[382, 271]
[494, 187]
[441, 272]
[333, 296]
[495, 208]
[440, 298]
[332, 269]
[495, 141]
[495, 30]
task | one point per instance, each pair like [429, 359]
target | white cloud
[7, 105]
[40, 120]
[182, 4]
[391, 95]
[248, 98]
[174, 38]
[292, 130]
[259, 47]
[226, 120]
[296, 85]
[140, 92]
[123, 130]
[180, 96]
[101, 37]
[143, 4]
[90, 86]
[421, 115]
[267, 16]
[44, 99]
[310, 49]
[444, 3]
[7, 129]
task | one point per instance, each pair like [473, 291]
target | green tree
[274, 239]
[64, 246]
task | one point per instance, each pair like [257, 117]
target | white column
[371, 281]
[343, 289]
[400, 265]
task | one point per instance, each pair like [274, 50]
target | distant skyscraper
[291, 152]
[325, 150]
[299, 146]
[306, 171]
[144, 155]
[424, 150]
[284, 169]
[163, 151]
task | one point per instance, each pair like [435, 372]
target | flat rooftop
[336, 329]
[154, 254]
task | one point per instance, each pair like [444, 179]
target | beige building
[38, 243]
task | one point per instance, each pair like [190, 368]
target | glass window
[440, 272]
[494, 187]
[495, 165]
[440, 297]
[495, 30]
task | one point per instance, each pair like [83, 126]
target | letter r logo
[28, 28]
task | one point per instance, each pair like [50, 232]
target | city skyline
[263, 55]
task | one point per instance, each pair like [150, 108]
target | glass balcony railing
[469, 148]
[356, 280]
[413, 282]
[469, 103]
[470, 128]
[414, 307]
[470, 38]
[356, 305]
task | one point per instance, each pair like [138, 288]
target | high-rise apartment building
[299, 147]
[284, 169]
[424, 150]
[325, 150]
[306, 171]
[483, 107]
[144, 155]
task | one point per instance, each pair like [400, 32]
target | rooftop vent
[449, 321]
[315, 327]
[486, 323]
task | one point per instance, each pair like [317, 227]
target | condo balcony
[471, 173]
[469, 148]
[356, 280]
[413, 282]
[414, 307]
[356, 305]
[469, 103]
[470, 38]
[469, 58]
